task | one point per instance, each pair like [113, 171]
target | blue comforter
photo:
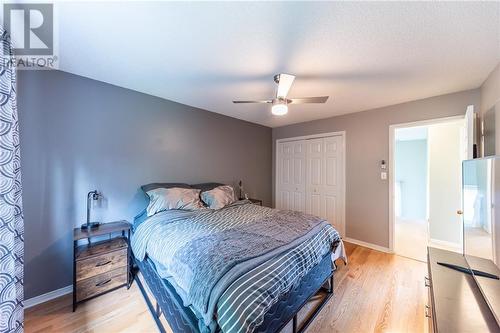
[202, 253]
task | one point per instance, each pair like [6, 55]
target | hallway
[411, 239]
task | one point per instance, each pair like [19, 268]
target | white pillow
[161, 199]
[219, 197]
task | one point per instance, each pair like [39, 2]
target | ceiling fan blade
[284, 85]
[261, 101]
[304, 100]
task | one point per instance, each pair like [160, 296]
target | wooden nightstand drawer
[100, 267]
[96, 249]
[106, 262]
[101, 283]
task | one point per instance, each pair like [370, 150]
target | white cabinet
[310, 177]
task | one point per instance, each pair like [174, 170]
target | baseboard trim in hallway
[366, 244]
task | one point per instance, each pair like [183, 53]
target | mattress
[231, 265]
[182, 319]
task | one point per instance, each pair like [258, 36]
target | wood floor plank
[375, 292]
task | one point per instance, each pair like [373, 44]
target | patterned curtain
[11, 217]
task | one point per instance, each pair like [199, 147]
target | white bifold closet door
[310, 178]
[292, 176]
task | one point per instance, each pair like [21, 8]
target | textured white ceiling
[363, 54]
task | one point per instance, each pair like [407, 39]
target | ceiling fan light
[279, 109]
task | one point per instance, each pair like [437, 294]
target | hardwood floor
[376, 292]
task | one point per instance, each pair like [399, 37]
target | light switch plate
[383, 175]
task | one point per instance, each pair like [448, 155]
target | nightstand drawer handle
[103, 283]
[103, 263]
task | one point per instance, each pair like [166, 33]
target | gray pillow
[206, 186]
[219, 197]
[161, 199]
[148, 187]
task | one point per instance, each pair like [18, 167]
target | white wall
[445, 170]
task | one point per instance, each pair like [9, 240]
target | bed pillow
[161, 199]
[153, 186]
[206, 186]
[219, 197]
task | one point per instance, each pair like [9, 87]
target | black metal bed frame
[157, 312]
[309, 320]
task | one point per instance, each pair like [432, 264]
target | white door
[469, 132]
[445, 183]
[291, 160]
[324, 183]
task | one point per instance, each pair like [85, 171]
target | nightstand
[102, 266]
[255, 201]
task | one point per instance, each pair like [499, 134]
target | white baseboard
[48, 296]
[451, 246]
[368, 245]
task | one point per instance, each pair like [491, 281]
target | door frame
[342, 134]
[392, 175]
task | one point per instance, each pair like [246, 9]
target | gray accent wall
[490, 90]
[490, 111]
[78, 134]
[367, 143]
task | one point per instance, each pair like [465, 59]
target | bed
[241, 268]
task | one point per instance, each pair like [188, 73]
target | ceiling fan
[280, 103]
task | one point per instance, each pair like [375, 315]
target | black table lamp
[92, 195]
[240, 185]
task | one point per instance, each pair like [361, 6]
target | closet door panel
[291, 179]
[314, 175]
[285, 175]
[316, 146]
[315, 170]
[286, 171]
[314, 205]
[299, 172]
[330, 208]
[331, 144]
[299, 202]
[332, 186]
[285, 200]
[331, 171]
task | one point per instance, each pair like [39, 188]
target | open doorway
[426, 185]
